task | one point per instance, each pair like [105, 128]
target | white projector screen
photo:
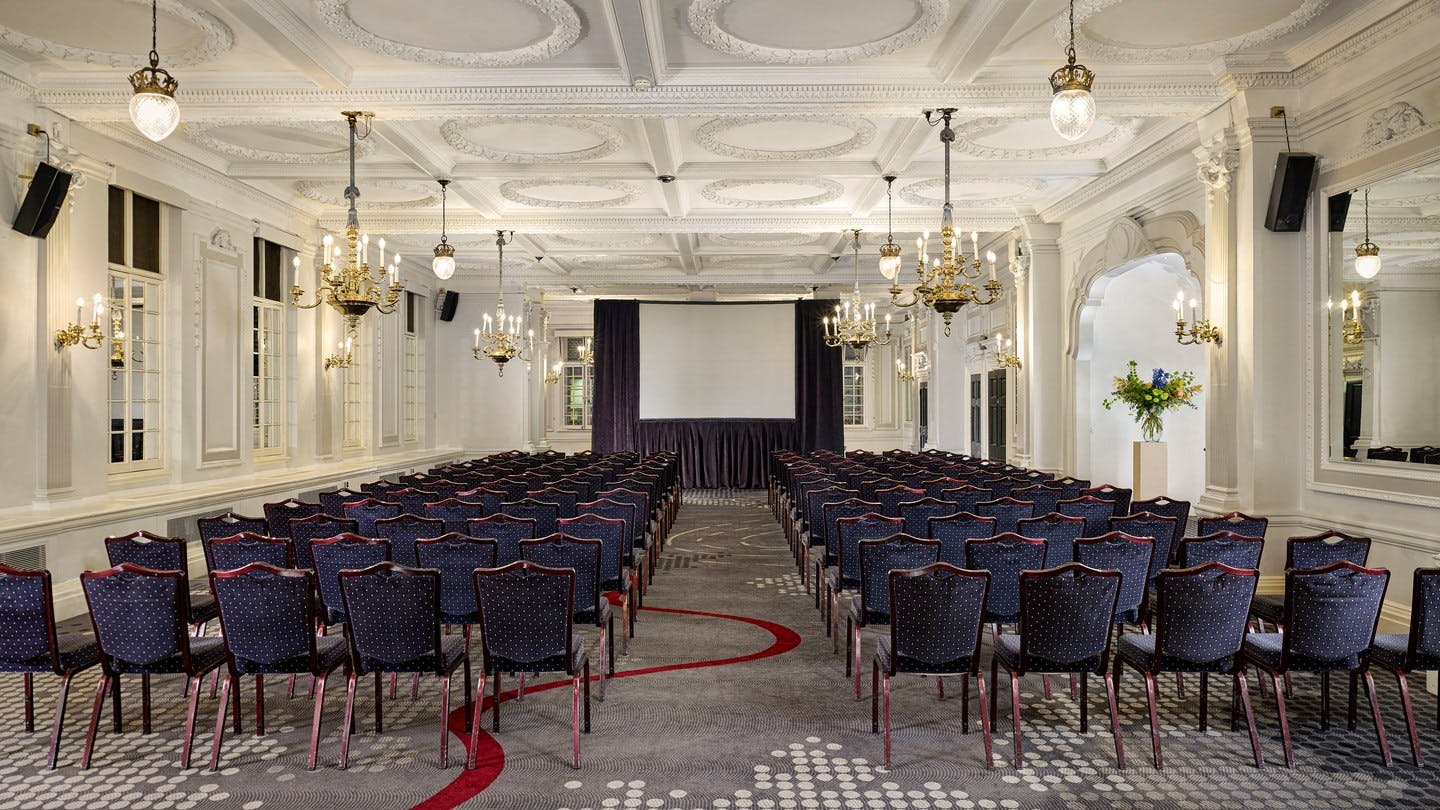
[717, 361]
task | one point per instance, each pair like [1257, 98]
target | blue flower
[1160, 378]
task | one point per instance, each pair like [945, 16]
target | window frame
[263, 307]
[151, 348]
[412, 372]
[861, 380]
[572, 369]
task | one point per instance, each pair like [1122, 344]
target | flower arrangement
[1148, 400]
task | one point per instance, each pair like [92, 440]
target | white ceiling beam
[626, 21]
[982, 28]
[685, 245]
[293, 38]
[434, 165]
[660, 136]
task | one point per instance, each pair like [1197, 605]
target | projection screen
[717, 361]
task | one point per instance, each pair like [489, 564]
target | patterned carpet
[730, 699]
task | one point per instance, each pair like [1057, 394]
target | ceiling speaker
[42, 201]
[1290, 191]
[448, 302]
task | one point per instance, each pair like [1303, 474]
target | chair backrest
[333, 502]
[936, 618]
[378, 489]
[1066, 617]
[1331, 612]
[565, 500]
[1005, 556]
[831, 513]
[1059, 533]
[954, 531]
[1095, 512]
[966, 497]
[139, 615]
[507, 531]
[27, 619]
[267, 614]
[445, 488]
[305, 531]
[1235, 550]
[368, 510]
[1044, 496]
[1236, 522]
[812, 512]
[1117, 551]
[615, 510]
[544, 514]
[917, 514]
[871, 485]
[1007, 511]
[1160, 530]
[345, 552]
[1319, 550]
[1169, 507]
[153, 551]
[279, 515]
[878, 558]
[403, 531]
[891, 498]
[579, 555]
[934, 486]
[227, 524]
[610, 533]
[412, 501]
[525, 614]
[456, 556]
[1120, 496]
[1425, 618]
[229, 553]
[392, 615]
[1203, 612]
[1071, 486]
[849, 532]
[489, 499]
[636, 499]
[454, 513]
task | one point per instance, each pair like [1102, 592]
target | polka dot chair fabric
[1234, 550]
[159, 553]
[1007, 511]
[1236, 522]
[871, 485]
[966, 498]
[564, 499]
[1120, 496]
[544, 514]
[1071, 486]
[230, 553]
[456, 556]
[454, 513]
[832, 513]
[227, 524]
[891, 498]
[445, 488]
[412, 501]
[332, 502]
[591, 607]
[368, 510]
[872, 604]
[489, 499]
[849, 533]
[610, 533]
[1042, 496]
[1059, 533]
[507, 531]
[1094, 511]
[403, 531]
[935, 486]
[279, 516]
[1160, 530]
[812, 516]
[1416, 651]
[615, 510]
[267, 614]
[345, 552]
[306, 531]
[954, 531]
[917, 514]
[1004, 556]
[1313, 551]
[380, 489]
[1127, 554]
[1168, 507]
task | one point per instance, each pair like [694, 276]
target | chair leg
[96, 708]
[520, 690]
[195, 684]
[853, 657]
[315, 723]
[994, 681]
[394, 680]
[1115, 720]
[1325, 702]
[586, 687]
[119, 716]
[1375, 713]
[575, 722]
[1278, 682]
[414, 686]
[220, 718]
[874, 697]
[465, 696]
[885, 711]
[473, 754]
[351, 680]
[495, 700]
[1154, 720]
[984, 721]
[1243, 688]
[444, 721]
[29, 702]
[965, 705]
[1084, 702]
[1404, 684]
[600, 647]
[1354, 685]
[1015, 716]
[1204, 701]
[145, 704]
[259, 705]
[940, 687]
[59, 719]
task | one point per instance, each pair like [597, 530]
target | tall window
[579, 380]
[352, 406]
[267, 350]
[137, 360]
[852, 388]
[413, 360]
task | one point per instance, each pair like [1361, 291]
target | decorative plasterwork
[754, 240]
[705, 16]
[1394, 121]
[220, 239]
[1216, 164]
[716, 192]
[1097, 48]
[914, 193]
[605, 261]
[1121, 130]
[561, 38]
[600, 240]
[331, 193]
[514, 191]
[610, 139]
[201, 133]
[708, 136]
[759, 262]
[216, 38]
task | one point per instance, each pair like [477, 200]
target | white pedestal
[1152, 472]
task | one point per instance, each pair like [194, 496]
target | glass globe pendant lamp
[153, 108]
[1072, 108]
[1367, 253]
[889, 252]
[444, 262]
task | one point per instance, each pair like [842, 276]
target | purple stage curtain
[719, 453]
[819, 411]
[615, 410]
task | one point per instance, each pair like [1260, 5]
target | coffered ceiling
[555, 117]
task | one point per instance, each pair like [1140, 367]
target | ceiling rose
[708, 135]
[1106, 49]
[454, 132]
[202, 133]
[705, 21]
[716, 192]
[565, 34]
[216, 38]
[330, 192]
[514, 191]
[914, 195]
[966, 135]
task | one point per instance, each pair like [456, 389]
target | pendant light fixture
[444, 262]
[153, 109]
[1072, 109]
[1367, 253]
[889, 252]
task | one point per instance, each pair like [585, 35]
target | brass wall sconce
[343, 357]
[73, 334]
[1199, 330]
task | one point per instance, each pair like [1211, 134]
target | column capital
[1217, 161]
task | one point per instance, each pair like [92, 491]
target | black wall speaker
[1290, 191]
[42, 201]
[1339, 210]
[448, 303]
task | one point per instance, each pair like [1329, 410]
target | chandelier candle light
[854, 322]
[1004, 358]
[153, 109]
[499, 338]
[1352, 331]
[1200, 331]
[74, 334]
[1072, 108]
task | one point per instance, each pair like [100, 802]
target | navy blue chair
[565, 500]
[525, 618]
[819, 559]
[412, 501]
[1071, 486]
[454, 513]
[267, 614]
[445, 488]
[378, 490]
[1044, 497]
[1059, 533]
[1302, 553]
[344, 552]
[1236, 522]
[615, 574]
[305, 531]
[871, 604]
[845, 578]
[934, 486]
[871, 485]
[393, 626]
[891, 498]
[1117, 551]
[507, 531]
[954, 531]
[456, 556]
[1005, 556]
[1416, 651]
[230, 553]
[1120, 496]
[812, 528]
[591, 607]
[966, 498]
[1094, 511]
[140, 616]
[159, 553]
[1160, 530]
[227, 524]
[1169, 507]
[1007, 511]
[368, 510]
[404, 531]
[545, 515]
[630, 515]
[1234, 550]
[917, 514]
[644, 535]
[935, 629]
[333, 502]
[30, 643]
[489, 499]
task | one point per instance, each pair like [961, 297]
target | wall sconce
[587, 353]
[73, 334]
[117, 343]
[904, 374]
[1004, 358]
[1352, 331]
[343, 357]
[1201, 331]
[553, 376]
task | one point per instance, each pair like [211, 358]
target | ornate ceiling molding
[914, 195]
[1121, 131]
[216, 38]
[708, 136]
[201, 133]
[780, 240]
[715, 192]
[514, 191]
[759, 262]
[605, 241]
[607, 261]
[1097, 48]
[561, 38]
[613, 221]
[330, 193]
[704, 17]
[610, 139]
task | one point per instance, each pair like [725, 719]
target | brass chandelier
[854, 322]
[153, 108]
[500, 338]
[949, 282]
[349, 288]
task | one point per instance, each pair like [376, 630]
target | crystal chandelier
[349, 288]
[889, 252]
[854, 321]
[948, 283]
[152, 107]
[499, 338]
[1072, 108]
[444, 262]
[1367, 253]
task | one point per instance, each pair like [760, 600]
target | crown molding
[216, 39]
[705, 18]
[1158, 154]
[398, 222]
